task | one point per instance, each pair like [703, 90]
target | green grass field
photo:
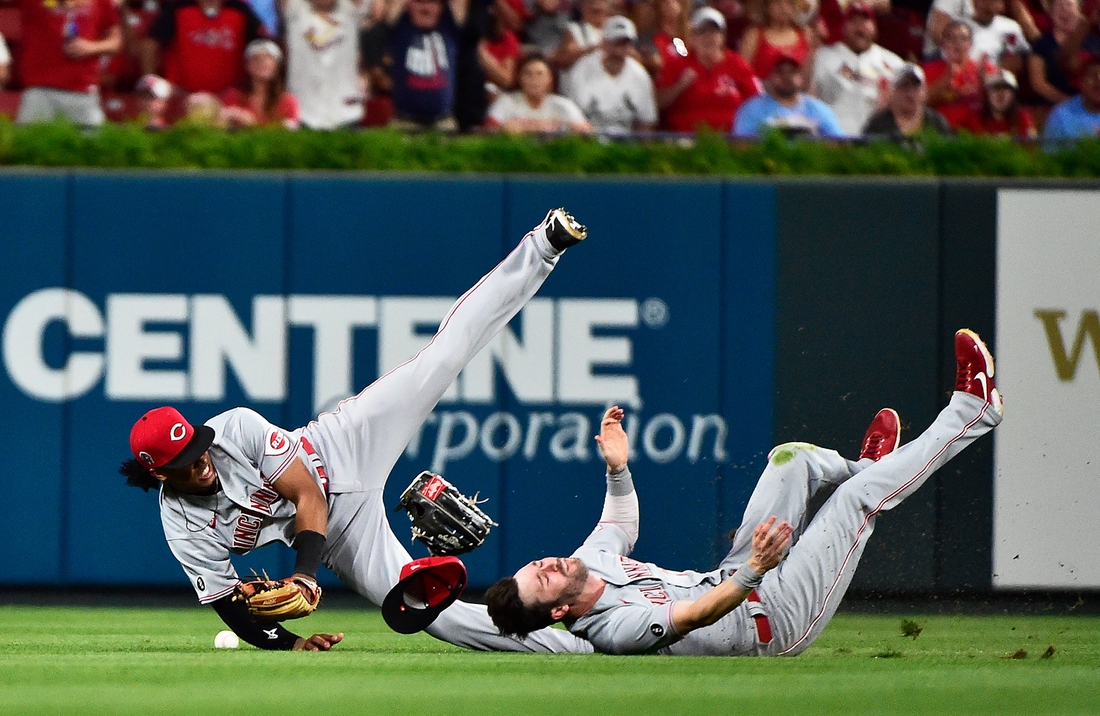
[140, 661]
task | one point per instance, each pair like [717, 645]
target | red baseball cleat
[974, 369]
[883, 435]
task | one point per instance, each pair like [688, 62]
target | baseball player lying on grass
[238, 482]
[758, 602]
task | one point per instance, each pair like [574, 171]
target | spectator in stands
[1079, 116]
[424, 43]
[535, 107]
[669, 37]
[611, 87]
[786, 107]
[955, 83]
[1049, 78]
[263, 101]
[153, 93]
[499, 52]
[547, 27]
[322, 65]
[201, 44]
[5, 63]
[940, 15]
[854, 75]
[908, 114]
[580, 39]
[780, 36]
[997, 39]
[706, 86]
[1001, 114]
[62, 48]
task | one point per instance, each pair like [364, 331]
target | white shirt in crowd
[513, 105]
[960, 10]
[1003, 36]
[322, 68]
[586, 36]
[5, 56]
[850, 83]
[613, 104]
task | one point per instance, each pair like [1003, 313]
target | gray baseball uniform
[350, 453]
[800, 596]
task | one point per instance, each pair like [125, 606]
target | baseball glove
[274, 600]
[443, 518]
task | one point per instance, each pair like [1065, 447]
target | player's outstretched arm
[769, 542]
[612, 439]
[620, 504]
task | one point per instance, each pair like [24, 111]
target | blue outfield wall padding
[32, 227]
[748, 348]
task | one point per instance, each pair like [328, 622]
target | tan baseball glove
[275, 600]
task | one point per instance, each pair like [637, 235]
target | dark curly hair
[511, 615]
[137, 476]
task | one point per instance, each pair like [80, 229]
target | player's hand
[769, 543]
[318, 642]
[612, 439]
[687, 77]
[78, 48]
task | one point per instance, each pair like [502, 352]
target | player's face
[553, 581]
[198, 478]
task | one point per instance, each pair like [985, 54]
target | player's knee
[783, 454]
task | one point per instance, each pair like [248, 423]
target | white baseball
[226, 640]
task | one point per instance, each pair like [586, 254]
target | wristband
[747, 578]
[309, 545]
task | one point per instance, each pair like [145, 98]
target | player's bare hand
[612, 439]
[769, 543]
[318, 642]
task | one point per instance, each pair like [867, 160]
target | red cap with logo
[427, 587]
[163, 438]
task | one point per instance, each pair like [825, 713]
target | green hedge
[194, 147]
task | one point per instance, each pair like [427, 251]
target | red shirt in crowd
[966, 85]
[44, 61]
[284, 111]
[768, 54]
[204, 53]
[714, 96]
[1022, 126]
[507, 46]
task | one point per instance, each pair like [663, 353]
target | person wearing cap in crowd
[534, 107]
[201, 44]
[63, 45]
[908, 113]
[263, 100]
[997, 38]
[1001, 114]
[854, 76]
[322, 61]
[239, 483]
[581, 38]
[955, 83]
[611, 87]
[707, 85]
[1079, 116]
[153, 93]
[786, 107]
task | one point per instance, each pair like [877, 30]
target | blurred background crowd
[825, 68]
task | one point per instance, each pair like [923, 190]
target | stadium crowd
[824, 68]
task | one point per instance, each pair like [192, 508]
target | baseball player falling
[757, 603]
[238, 482]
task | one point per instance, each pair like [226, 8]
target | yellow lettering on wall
[1065, 364]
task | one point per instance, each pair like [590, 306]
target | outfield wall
[728, 315]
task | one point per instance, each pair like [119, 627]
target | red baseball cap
[427, 587]
[163, 438]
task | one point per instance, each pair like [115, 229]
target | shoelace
[871, 445]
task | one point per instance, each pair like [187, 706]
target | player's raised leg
[794, 474]
[803, 593]
[366, 434]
